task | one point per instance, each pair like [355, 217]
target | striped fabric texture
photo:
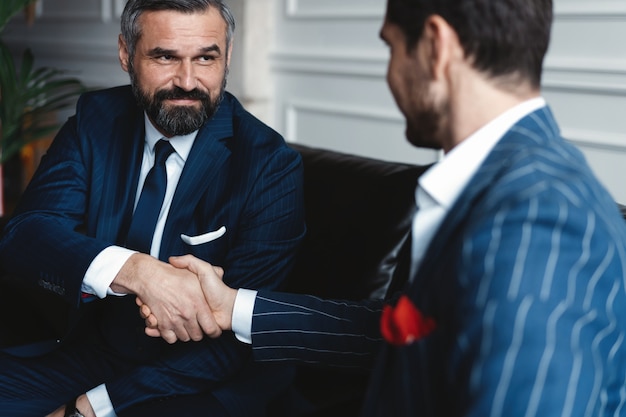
[526, 282]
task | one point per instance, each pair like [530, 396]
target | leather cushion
[358, 215]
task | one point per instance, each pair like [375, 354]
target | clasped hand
[200, 306]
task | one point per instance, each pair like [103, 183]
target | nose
[185, 76]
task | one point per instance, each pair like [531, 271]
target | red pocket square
[404, 323]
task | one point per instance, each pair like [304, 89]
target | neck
[479, 101]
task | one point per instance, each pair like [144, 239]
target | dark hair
[131, 32]
[501, 37]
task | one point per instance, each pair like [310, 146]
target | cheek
[212, 80]
[392, 79]
[397, 86]
[153, 77]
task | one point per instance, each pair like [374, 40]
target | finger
[145, 311]
[139, 301]
[190, 262]
[180, 330]
[219, 271]
[195, 332]
[152, 332]
[152, 322]
[169, 336]
[209, 325]
[180, 261]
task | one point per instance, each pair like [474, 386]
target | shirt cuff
[103, 269]
[242, 315]
[100, 402]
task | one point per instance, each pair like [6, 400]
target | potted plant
[29, 96]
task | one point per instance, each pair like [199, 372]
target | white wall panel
[585, 83]
[333, 9]
[329, 68]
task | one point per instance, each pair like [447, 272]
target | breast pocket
[204, 237]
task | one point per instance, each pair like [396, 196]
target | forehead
[169, 28]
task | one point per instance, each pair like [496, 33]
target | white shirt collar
[445, 180]
[181, 144]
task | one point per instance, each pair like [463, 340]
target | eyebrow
[158, 51]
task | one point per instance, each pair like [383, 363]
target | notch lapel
[532, 127]
[120, 168]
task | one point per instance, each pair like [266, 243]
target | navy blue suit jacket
[526, 282]
[239, 174]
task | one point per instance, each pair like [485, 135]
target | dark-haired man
[170, 165]
[516, 303]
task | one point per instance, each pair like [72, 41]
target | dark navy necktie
[150, 201]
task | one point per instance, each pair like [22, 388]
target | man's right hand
[174, 295]
[219, 296]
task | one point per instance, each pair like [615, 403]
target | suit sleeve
[539, 323]
[304, 328]
[41, 244]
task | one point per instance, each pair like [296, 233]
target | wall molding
[596, 9]
[294, 9]
[119, 8]
[66, 48]
[575, 10]
[585, 87]
[600, 76]
[294, 109]
[330, 63]
[380, 58]
[610, 141]
[587, 65]
[102, 15]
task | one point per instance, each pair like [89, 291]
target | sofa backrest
[358, 214]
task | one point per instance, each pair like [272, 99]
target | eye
[207, 58]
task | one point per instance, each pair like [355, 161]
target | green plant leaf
[28, 98]
[26, 67]
[9, 8]
[30, 95]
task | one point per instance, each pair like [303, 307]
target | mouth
[182, 101]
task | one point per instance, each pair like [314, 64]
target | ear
[123, 53]
[230, 53]
[441, 44]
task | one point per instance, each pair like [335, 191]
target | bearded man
[170, 165]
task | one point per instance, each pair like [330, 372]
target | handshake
[193, 319]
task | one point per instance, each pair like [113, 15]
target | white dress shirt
[109, 262]
[437, 190]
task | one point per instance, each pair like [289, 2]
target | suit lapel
[208, 154]
[124, 151]
[534, 126]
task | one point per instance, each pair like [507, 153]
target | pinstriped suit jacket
[526, 281]
[239, 174]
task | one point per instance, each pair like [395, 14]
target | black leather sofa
[358, 215]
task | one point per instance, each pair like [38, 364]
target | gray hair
[131, 31]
